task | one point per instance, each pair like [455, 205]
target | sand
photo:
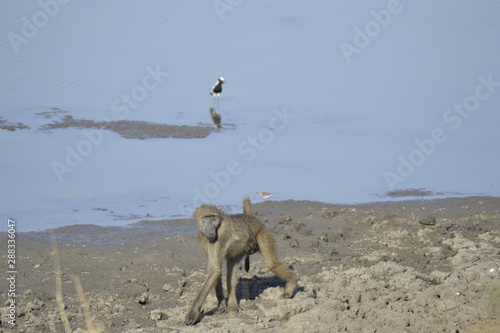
[407, 266]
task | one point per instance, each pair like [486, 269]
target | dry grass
[91, 327]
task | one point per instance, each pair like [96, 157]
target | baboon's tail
[247, 207]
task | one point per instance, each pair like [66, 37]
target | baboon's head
[208, 219]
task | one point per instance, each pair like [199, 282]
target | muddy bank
[409, 266]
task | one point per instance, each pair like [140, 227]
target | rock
[329, 214]
[284, 219]
[284, 236]
[158, 314]
[144, 298]
[331, 252]
[428, 220]
[168, 287]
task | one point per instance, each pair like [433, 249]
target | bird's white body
[265, 195]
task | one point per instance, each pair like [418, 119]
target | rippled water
[358, 124]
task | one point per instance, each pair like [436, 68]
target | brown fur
[248, 210]
[231, 238]
[247, 207]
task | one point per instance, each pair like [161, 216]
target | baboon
[233, 237]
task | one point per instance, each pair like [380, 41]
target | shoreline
[407, 195]
[393, 266]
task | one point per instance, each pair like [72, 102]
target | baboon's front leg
[219, 293]
[192, 316]
[215, 262]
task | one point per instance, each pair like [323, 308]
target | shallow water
[308, 120]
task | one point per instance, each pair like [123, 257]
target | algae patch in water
[6, 125]
[134, 129]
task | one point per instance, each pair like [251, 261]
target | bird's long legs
[216, 102]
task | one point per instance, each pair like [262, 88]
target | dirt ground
[407, 266]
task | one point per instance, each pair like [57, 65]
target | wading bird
[216, 90]
[265, 195]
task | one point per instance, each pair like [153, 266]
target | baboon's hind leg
[268, 250]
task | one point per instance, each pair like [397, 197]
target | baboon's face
[210, 225]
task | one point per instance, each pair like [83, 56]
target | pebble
[428, 220]
[168, 287]
[144, 298]
[158, 314]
